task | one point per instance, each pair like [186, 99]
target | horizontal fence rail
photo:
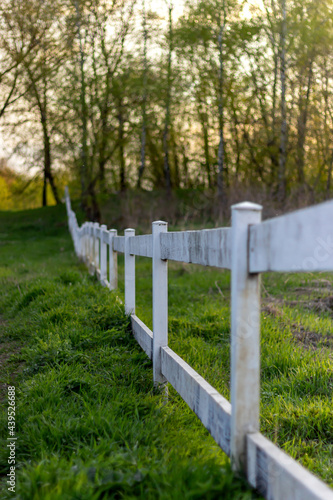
[297, 242]
[209, 247]
[119, 244]
[213, 410]
[300, 241]
[142, 246]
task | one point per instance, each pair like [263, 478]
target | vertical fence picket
[160, 301]
[85, 243]
[92, 247]
[104, 255]
[245, 334]
[113, 261]
[96, 245]
[129, 275]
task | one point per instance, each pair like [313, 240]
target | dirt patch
[311, 339]
[308, 339]
[273, 310]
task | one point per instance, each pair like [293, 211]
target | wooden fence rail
[300, 241]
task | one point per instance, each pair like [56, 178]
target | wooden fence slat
[277, 476]
[96, 245]
[301, 241]
[113, 261]
[129, 275]
[213, 410]
[208, 247]
[105, 236]
[91, 247]
[104, 255]
[143, 335]
[160, 301]
[245, 335]
[119, 244]
[142, 245]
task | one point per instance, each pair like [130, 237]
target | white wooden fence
[300, 241]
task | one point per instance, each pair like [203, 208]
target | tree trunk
[84, 155]
[47, 160]
[301, 128]
[176, 179]
[44, 195]
[329, 177]
[203, 117]
[283, 135]
[121, 147]
[167, 175]
[220, 158]
[144, 100]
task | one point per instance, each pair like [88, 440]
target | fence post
[91, 247]
[160, 301]
[85, 250]
[96, 246]
[79, 231]
[104, 256]
[113, 261]
[245, 335]
[75, 235]
[129, 275]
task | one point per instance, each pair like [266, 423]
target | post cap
[160, 223]
[247, 206]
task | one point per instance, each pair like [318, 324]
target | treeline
[122, 94]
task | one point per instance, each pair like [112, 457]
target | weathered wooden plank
[141, 245]
[96, 244]
[143, 335]
[297, 242]
[113, 261]
[103, 253]
[160, 301]
[119, 244]
[129, 275]
[213, 410]
[279, 477]
[245, 335]
[105, 237]
[209, 247]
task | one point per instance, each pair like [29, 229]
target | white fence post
[129, 275]
[245, 334]
[85, 246]
[91, 247]
[79, 232]
[96, 245]
[104, 256]
[113, 261]
[160, 301]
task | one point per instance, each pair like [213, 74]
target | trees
[36, 54]
[122, 96]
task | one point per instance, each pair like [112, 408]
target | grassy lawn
[88, 421]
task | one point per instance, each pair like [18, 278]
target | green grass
[89, 423]
[296, 350]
